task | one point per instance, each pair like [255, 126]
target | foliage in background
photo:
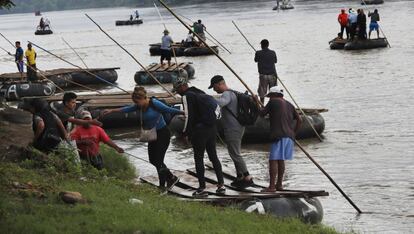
[6, 4]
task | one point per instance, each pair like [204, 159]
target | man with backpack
[233, 129]
[201, 111]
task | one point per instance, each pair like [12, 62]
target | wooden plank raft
[118, 99]
[189, 183]
[156, 67]
[210, 176]
[53, 72]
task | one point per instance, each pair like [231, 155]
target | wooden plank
[186, 193]
[150, 67]
[172, 67]
[210, 175]
[258, 185]
[153, 68]
[191, 181]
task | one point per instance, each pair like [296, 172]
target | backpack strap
[228, 109]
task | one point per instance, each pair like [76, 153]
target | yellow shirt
[31, 56]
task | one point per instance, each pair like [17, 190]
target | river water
[368, 148]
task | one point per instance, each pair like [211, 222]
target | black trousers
[353, 28]
[204, 139]
[31, 72]
[362, 32]
[156, 154]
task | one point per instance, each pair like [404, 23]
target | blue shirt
[19, 54]
[352, 17]
[152, 117]
[166, 42]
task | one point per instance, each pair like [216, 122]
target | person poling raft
[133, 19]
[44, 27]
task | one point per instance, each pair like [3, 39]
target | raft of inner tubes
[128, 22]
[257, 133]
[309, 210]
[155, 50]
[372, 2]
[43, 32]
[16, 91]
[358, 44]
[142, 77]
[84, 78]
[260, 131]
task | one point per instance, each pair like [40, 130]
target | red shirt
[343, 19]
[94, 134]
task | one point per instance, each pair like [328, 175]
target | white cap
[85, 114]
[275, 89]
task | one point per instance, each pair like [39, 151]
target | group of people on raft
[190, 40]
[134, 16]
[355, 23]
[201, 112]
[31, 56]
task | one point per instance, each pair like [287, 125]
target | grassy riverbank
[30, 201]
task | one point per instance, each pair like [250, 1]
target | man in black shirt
[362, 24]
[201, 111]
[266, 60]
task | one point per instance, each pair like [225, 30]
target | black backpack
[50, 137]
[208, 109]
[247, 109]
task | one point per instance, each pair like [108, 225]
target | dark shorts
[166, 54]
[96, 161]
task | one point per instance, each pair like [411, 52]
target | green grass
[108, 209]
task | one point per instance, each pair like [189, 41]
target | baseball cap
[216, 79]
[85, 114]
[177, 83]
[275, 89]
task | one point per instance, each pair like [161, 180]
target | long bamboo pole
[215, 53]
[287, 90]
[303, 149]
[133, 57]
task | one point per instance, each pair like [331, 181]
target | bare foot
[268, 190]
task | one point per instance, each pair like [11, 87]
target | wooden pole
[380, 28]
[303, 150]
[215, 53]
[284, 86]
[142, 66]
[219, 44]
[86, 66]
[84, 70]
[329, 177]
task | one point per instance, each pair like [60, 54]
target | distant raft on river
[181, 50]
[128, 22]
[40, 31]
[164, 74]
[339, 44]
[371, 2]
